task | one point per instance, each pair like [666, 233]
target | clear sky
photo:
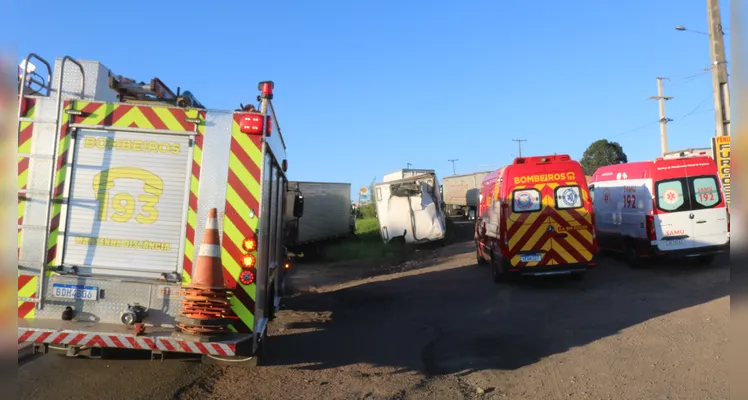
[364, 87]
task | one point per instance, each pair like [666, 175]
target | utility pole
[407, 165]
[519, 145]
[719, 69]
[453, 166]
[661, 98]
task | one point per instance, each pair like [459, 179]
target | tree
[601, 153]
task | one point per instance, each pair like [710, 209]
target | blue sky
[364, 87]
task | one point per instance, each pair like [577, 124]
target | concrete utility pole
[719, 69]
[663, 119]
[453, 166]
[519, 145]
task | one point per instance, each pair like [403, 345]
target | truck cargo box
[327, 212]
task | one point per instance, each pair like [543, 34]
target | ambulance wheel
[578, 276]
[499, 272]
[705, 260]
[632, 258]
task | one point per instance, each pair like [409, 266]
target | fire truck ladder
[153, 92]
[46, 193]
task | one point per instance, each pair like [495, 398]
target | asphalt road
[438, 328]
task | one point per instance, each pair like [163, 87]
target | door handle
[701, 221]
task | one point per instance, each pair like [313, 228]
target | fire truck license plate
[530, 257]
[75, 292]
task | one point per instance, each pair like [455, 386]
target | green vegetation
[366, 246]
[602, 153]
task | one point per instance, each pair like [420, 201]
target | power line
[638, 128]
[701, 103]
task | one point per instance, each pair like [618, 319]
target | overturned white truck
[409, 209]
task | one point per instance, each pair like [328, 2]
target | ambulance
[535, 218]
[670, 207]
[116, 178]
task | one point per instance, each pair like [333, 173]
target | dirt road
[440, 329]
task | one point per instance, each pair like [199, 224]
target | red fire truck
[115, 180]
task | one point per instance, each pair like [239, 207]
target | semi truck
[461, 194]
[116, 181]
[409, 209]
[327, 214]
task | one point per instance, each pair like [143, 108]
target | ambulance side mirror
[298, 206]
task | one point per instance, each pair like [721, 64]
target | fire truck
[116, 178]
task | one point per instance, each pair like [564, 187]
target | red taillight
[246, 277]
[252, 124]
[651, 232]
[268, 126]
[728, 219]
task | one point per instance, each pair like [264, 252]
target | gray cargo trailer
[461, 193]
[327, 213]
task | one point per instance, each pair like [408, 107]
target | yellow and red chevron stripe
[25, 133]
[242, 200]
[529, 231]
[156, 117]
[27, 288]
[59, 185]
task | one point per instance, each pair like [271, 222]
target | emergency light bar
[542, 159]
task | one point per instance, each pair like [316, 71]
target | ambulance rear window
[686, 194]
[526, 200]
[568, 197]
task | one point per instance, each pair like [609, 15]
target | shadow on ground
[456, 320]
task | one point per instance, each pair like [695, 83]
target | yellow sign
[148, 146]
[363, 190]
[123, 204]
[123, 243]
[541, 178]
[721, 149]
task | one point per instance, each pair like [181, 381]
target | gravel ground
[438, 328]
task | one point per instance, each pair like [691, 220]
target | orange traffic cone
[206, 306]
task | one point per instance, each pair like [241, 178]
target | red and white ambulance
[669, 207]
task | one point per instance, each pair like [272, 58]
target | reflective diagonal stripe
[243, 192]
[27, 289]
[124, 341]
[61, 174]
[25, 132]
[197, 159]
